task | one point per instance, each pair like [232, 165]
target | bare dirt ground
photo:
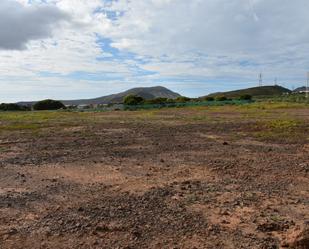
[221, 177]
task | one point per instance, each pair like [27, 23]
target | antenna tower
[260, 79]
[307, 86]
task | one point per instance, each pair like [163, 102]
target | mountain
[302, 89]
[145, 92]
[254, 92]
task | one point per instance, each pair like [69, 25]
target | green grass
[284, 125]
[33, 121]
[262, 120]
[20, 127]
[282, 130]
[272, 105]
[254, 91]
[291, 98]
[40, 116]
[3, 149]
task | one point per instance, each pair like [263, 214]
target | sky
[71, 49]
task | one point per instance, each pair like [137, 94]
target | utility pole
[260, 79]
[276, 81]
[307, 86]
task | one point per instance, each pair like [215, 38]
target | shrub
[13, 107]
[171, 101]
[182, 99]
[48, 104]
[245, 97]
[156, 101]
[133, 100]
[221, 98]
[209, 98]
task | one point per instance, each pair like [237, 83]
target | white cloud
[212, 26]
[20, 24]
[191, 41]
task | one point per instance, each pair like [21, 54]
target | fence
[165, 105]
[187, 104]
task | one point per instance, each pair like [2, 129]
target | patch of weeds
[142, 115]
[265, 105]
[4, 149]
[250, 197]
[211, 189]
[200, 118]
[18, 127]
[192, 199]
[281, 130]
[283, 125]
[276, 218]
[40, 116]
[148, 114]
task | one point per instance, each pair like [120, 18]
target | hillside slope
[254, 91]
[300, 89]
[145, 92]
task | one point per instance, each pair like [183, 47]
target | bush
[245, 97]
[133, 100]
[13, 107]
[156, 101]
[209, 98]
[171, 101]
[221, 98]
[48, 104]
[182, 99]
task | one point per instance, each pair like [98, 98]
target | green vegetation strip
[187, 104]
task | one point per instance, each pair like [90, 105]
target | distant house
[83, 107]
[103, 105]
[71, 106]
[94, 106]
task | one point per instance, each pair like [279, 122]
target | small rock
[80, 209]
[5, 237]
[12, 231]
[136, 234]
[101, 228]
[225, 212]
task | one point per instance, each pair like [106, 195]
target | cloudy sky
[66, 49]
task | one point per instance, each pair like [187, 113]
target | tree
[245, 97]
[182, 99]
[221, 98]
[209, 98]
[156, 101]
[13, 107]
[48, 104]
[133, 100]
